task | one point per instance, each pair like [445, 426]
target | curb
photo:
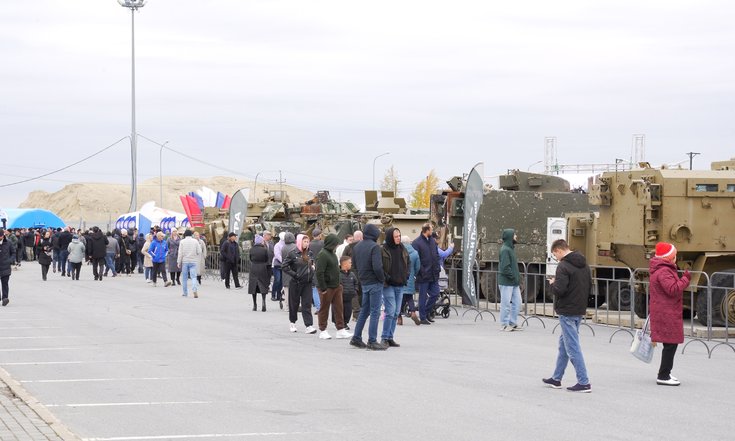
[61, 430]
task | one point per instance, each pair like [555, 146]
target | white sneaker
[310, 330]
[324, 335]
[292, 328]
[670, 382]
[343, 333]
[149, 281]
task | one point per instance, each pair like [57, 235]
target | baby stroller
[442, 305]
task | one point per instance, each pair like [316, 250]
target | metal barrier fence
[213, 264]
[620, 290]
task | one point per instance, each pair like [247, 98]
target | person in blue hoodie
[414, 265]
[367, 259]
[157, 250]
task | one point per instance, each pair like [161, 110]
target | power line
[68, 166]
[199, 160]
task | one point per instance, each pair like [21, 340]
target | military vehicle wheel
[534, 284]
[489, 286]
[640, 305]
[723, 300]
[619, 296]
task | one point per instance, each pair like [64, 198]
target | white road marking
[150, 403]
[24, 320]
[31, 327]
[208, 435]
[36, 349]
[92, 380]
[38, 336]
[33, 363]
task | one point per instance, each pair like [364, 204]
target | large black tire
[489, 287]
[619, 296]
[640, 305]
[723, 300]
[534, 282]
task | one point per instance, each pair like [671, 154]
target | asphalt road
[120, 360]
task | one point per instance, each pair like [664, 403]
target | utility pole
[691, 157]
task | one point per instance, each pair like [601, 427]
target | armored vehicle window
[707, 187]
[730, 188]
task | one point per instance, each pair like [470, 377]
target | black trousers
[300, 294]
[125, 264]
[667, 361]
[98, 266]
[75, 269]
[346, 308]
[6, 287]
[159, 267]
[230, 268]
[44, 271]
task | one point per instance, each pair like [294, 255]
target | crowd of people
[357, 278]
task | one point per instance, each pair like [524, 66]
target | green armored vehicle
[533, 204]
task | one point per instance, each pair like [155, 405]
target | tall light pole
[375, 159]
[160, 172]
[133, 5]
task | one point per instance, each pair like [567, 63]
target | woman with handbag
[666, 298]
[44, 251]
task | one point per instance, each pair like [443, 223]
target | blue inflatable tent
[31, 218]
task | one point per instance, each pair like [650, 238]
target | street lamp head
[132, 4]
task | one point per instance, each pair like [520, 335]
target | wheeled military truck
[694, 210]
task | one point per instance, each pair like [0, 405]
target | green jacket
[327, 266]
[508, 274]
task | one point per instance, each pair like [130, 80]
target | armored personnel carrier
[384, 210]
[691, 209]
[525, 202]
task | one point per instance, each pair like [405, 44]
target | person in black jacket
[427, 279]
[139, 257]
[395, 267]
[367, 258]
[97, 249]
[260, 279]
[44, 252]
[230, 258]
[571, 287]
[348, 280]
[7, 257]
[65, 238]
[299, 266]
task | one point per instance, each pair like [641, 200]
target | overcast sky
[317, 89]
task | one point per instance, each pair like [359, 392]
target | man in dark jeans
[571, 287]
[230, 252]
[369, 263]
[139, 252]
[427, 279]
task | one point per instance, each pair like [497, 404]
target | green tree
[421, 194]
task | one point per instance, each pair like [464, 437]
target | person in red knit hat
[666, 298]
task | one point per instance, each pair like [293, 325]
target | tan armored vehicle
[384, 210]
[694, 210]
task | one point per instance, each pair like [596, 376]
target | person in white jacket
[188, 260]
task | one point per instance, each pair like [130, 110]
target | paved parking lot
[119, 360]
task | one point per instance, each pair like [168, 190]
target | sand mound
[101, 204]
